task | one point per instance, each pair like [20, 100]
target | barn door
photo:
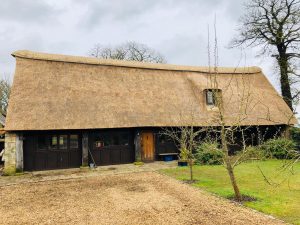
[52, 151]
[147, 146]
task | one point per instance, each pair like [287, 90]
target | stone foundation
[13, 154]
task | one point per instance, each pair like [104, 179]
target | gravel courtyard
[131, 198]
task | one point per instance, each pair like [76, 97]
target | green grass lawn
[282, 199]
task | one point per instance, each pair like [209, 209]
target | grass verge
[281, 198]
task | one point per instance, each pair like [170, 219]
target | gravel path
[135, 198]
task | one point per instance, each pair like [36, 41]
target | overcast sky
[175, 28]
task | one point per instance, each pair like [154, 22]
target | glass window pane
[101, 140]
[106, 137]
[162, 139]
[209, 97]
[111, 138]
[124, 139]
[42, 142]
[115, 139]
[53, 142]
[63, 141]
[74, 141]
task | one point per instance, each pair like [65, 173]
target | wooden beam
[85, 149]
[138, 146]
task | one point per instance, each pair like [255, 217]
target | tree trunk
[191, 170]
[236, 189]
[284, 79]
[229, 167]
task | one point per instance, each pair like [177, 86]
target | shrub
[295, 135]
[208, 153]
[184, 154]
[279, 148]
[250, 153]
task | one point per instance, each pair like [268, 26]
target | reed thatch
[69, 92]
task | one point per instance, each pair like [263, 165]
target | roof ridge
[131, 64]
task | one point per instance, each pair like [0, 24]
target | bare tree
[229, 121]
[5, 87]
[187, 139]
[224, 130]
[275, 25]
[132, 51]
[227, 124]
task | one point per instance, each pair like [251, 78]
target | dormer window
[212, 96]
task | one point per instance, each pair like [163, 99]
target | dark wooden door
[111, 147]
[147, 146]
[52, 151]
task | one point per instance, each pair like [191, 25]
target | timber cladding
[52, 92]
[52, 150]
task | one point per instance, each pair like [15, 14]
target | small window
[124, 139]
[115, 139]
[102, 140]
[111, 139]
[74, 141]
[53, 142]
[212, 95]
[63, 141]
[163, 139]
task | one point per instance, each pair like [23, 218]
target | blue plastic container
[168, 158]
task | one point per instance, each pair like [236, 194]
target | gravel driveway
[134, 198]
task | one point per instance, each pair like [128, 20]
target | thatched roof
[69, 92]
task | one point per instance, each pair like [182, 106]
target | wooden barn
[67, 111]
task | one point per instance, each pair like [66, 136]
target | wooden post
[138, 146]
[19, 153]
[85, 149]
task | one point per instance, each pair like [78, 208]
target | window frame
[50, 138]
[214, 94]
[58, 142]
[69, 141]
[111, 135]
